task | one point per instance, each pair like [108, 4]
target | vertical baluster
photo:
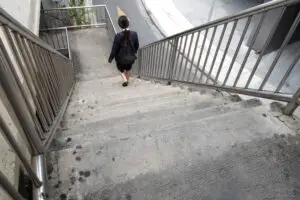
[182, 55]
[270, 36]
[288, 72]
[179, 54]
[208, 52]
[194, 54]
[249, 49]
[237, 50]
[225, 52]
[188, 56]
[200, 56]
[216, 52]
[279, 52]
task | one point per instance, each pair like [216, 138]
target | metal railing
[35, 84]
[74, 17]
[58, 38]
[55, 32]
[51, 20]
[215, 55]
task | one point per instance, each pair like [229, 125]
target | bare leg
[124, 76]
[127, 74]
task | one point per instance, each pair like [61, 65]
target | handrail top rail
[248, 12]
[53, 29]
[8, 20]
[75, 7]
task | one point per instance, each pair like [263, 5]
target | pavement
[199, 13]
[139, 19]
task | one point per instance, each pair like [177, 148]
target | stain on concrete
[81, 179]
[276, 107]
[128, 197]
[251, 103]
[78, 158]
[87, 173]
[63, 196]
[72, 180]
[91, 107]
[78, 147]
[124, 139]
[235, 98]
[262, 169]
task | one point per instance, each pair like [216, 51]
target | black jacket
[117, 45]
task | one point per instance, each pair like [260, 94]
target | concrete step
[180, 150]
[140, 125]
[111, 88]
[187, 104]
[84, 114]
[184, 106]
[87, 114]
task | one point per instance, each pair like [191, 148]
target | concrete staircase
[158, 142]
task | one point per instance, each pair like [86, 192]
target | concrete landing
[155, 142]
[90, 52]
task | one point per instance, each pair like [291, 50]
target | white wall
[27, 12]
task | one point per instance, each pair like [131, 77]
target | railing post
[172, 61]
[9, 188]
[106, 17]
[290, 108]
[139, 63]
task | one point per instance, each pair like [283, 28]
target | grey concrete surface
[152, 141]
[139, 19]
[197, 12]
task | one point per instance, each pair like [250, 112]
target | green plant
[78, 14]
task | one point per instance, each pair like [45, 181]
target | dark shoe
[125, 84]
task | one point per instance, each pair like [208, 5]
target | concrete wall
[27, 12]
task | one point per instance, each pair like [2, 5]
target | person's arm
[114, 49]
[136, 43]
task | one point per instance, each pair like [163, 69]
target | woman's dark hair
[124, 23]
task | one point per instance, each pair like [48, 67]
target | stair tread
[90, 113]
[140, 123]
[158, 150]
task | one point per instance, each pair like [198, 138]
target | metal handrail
[250, 11]
[195, 56]
[58, 38]
[38, 99]
[63, 21]
[75, 7]
[109, 19]
[88, 15]
[36, 82]
[6, 19]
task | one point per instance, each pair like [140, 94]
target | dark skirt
[123, 68]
